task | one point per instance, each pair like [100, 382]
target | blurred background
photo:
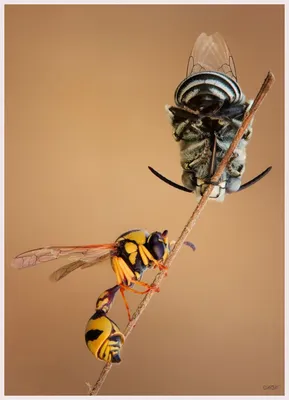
[85, 90]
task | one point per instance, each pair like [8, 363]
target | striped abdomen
[103, 338]
[208, 89]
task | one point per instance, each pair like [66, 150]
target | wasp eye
[156, 245]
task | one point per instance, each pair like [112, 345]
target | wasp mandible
[210, 108]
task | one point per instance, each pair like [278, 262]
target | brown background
[85, 93]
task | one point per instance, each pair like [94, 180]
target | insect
[131, 254]
[102, 336]
[210, 108]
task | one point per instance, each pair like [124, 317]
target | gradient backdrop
[85, 92]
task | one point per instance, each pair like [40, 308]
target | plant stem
[93, 391]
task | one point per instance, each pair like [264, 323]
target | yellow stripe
[138, 237]
[137, 275]
[148, 254]
[117, 270]
[132, 258]
[143, 255]
[165, 256]
[118, 333]
[130, 247]
[107, 352]
[103, 324]
[128, 274]
[101, 353]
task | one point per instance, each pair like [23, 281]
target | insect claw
[154, 288]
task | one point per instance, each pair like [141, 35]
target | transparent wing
[211, 53]
[86, 254]
[68, 268]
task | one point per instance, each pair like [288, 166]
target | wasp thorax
[157, 244]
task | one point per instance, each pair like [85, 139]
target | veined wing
[80, 257]
[211, 53]
[68, 268]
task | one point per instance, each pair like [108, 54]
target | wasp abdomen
[103, 338]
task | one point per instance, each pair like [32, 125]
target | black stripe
[97, 314]
[217, 76]
[92, 335]
[229, 87]
[204, 88]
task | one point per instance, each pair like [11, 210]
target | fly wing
[86, 253]
[211, 53]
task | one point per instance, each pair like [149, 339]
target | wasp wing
[86, 254]
[211, 53]
[68, 268]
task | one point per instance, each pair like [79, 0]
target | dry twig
[191, 222]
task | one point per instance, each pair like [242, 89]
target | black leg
[171, 183]
[255, 180]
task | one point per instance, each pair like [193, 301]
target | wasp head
[157, 244]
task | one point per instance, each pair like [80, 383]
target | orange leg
[122, 289]
[161, 267]
[157, 264]
[133, 290]
[149, 287]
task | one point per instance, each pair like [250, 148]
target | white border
[182, 2]
[2, 199]
[147, 2]
[286, 181]
[286, 281]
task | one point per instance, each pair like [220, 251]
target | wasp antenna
[191, 245]
[256, 179]
[171, 183]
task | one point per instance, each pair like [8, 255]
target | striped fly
[210, 107]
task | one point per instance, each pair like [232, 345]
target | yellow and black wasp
[102, 336]
[131, 254]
